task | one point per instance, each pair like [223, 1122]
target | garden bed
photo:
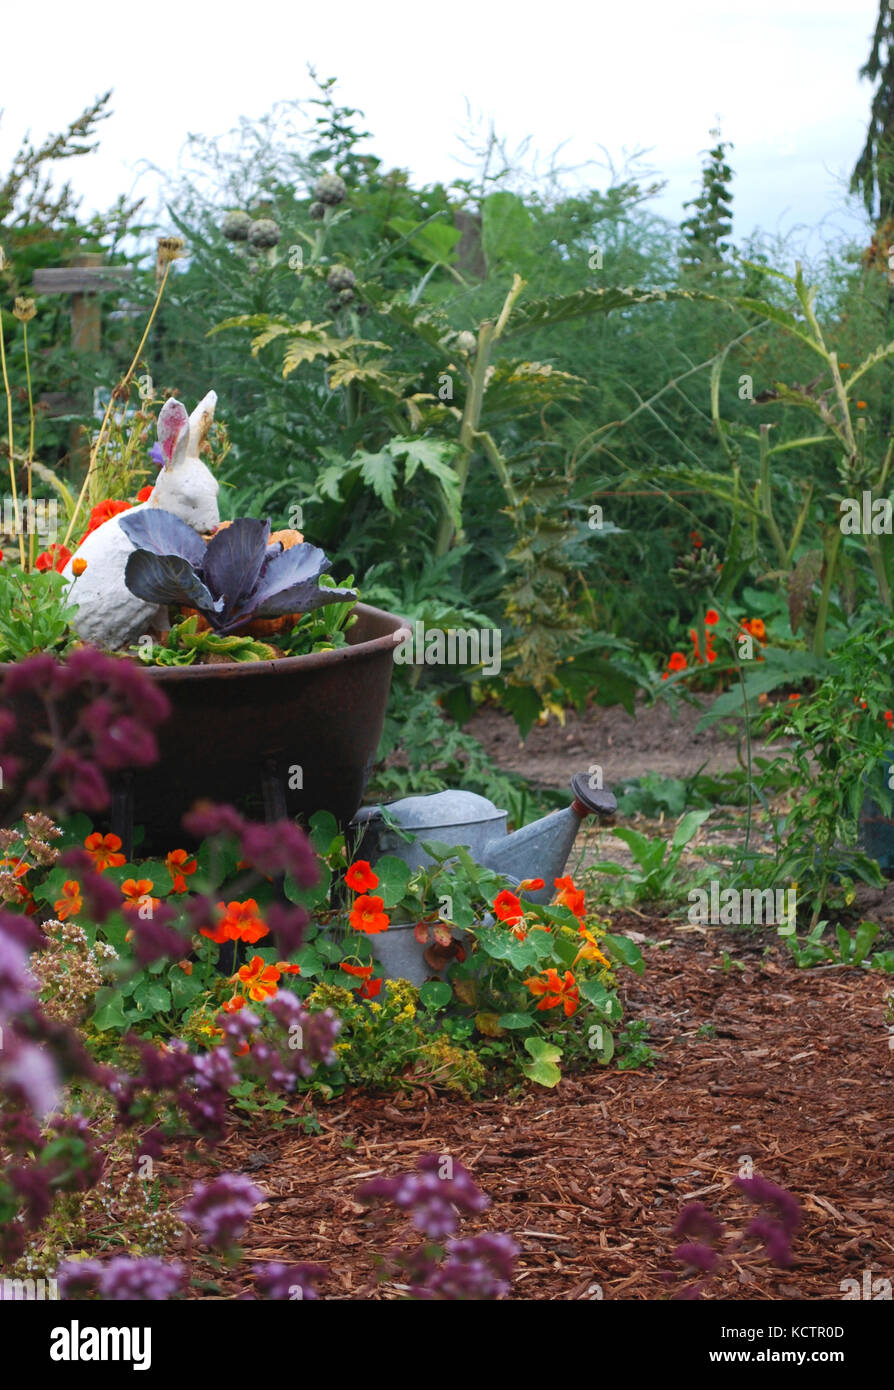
[589, 1178]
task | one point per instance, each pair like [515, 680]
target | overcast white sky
[780, 74]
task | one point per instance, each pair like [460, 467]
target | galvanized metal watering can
[539, 850]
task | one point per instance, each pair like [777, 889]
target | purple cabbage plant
[232, 579]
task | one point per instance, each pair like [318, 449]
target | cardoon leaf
[234, 559]
[162, 533]
[168, 579]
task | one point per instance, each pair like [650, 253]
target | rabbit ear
[172, 427]
[200, 422]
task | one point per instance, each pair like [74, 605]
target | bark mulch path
[791, 1068]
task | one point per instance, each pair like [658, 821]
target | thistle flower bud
[236, 226]
[696, 571]
[340, 278]
[264, 233]
[317, 211]
[330, 189]
[466, 341]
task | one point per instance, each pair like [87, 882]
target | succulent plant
[237, 577]
[341, 278]
[330, 189]
[264, 233]
[236, 226]
[317, 211]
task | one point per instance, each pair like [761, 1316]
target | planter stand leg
[122, 811]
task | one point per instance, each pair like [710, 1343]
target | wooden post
[85, 280]
[86, 318]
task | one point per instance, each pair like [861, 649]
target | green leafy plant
[34, 613]
[656, 875]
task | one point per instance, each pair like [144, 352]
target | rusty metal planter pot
[286, 737]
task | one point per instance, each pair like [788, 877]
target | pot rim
[310, 661]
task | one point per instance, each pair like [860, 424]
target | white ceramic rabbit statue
[109, 615]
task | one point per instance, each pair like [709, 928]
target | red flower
[507, 907]
[531, 885]
[145, 493]
[712, 617]
[367, 915]
[677, 662]
[56, 558]
[103, 512]
[360, 877]
[241, 922]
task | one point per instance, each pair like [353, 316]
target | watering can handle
[590, 800]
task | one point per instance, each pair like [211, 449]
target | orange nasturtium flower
[367, 989]
[78, 566]
[104, 850]
[18, 868]
[259, 978]
[70, 902]
[241, 922]
[677, 662]
[286, 968]
[136, 891]
[569, 896]
[232, 1006]
[180, 863]
[756, 627]
[555, 990]
[590, 949]
[531, 885]
[507, 907]
[367, 915]
[360, 877]
[145, 493]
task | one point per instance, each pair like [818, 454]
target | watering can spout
[541, 850]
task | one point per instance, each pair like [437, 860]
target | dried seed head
[170, 248]
[24, 308]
